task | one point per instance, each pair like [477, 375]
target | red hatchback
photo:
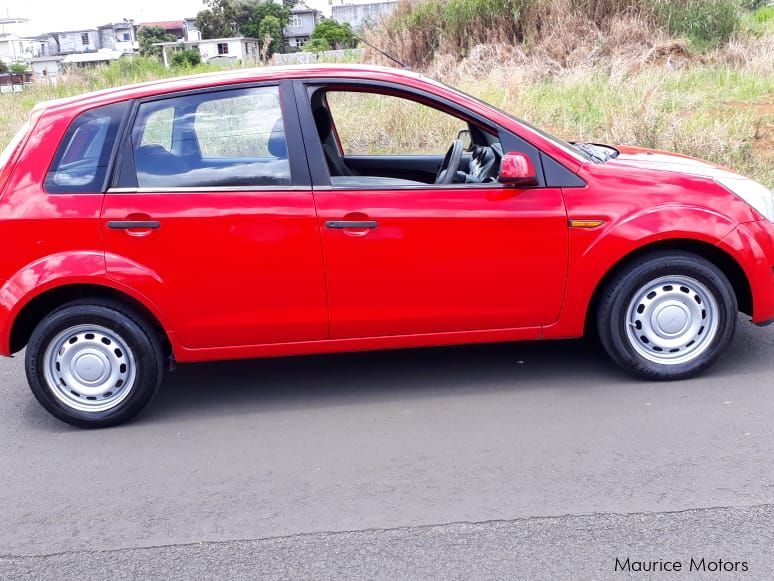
[235, 215]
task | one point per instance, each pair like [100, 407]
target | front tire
[668, 315]
[94, 363]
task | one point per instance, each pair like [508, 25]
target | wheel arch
[720, 258]
[30, 315]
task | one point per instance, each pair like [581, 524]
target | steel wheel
[672, 320]
[89, 368]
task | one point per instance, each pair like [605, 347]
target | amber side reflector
[585, 223]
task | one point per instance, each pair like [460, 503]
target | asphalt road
[523, 461]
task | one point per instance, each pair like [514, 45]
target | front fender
[595, 252]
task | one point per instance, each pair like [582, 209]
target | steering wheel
[451, 163]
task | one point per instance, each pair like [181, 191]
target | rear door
[213, 218]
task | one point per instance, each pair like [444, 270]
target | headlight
[755, 194]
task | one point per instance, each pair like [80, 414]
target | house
[46, 68]
[192, 31]
[16, 49]
[74, 41]
[301, 25]
[102, 56]
[362, 15]
[216, 50]
[119, 36]
[15, 45]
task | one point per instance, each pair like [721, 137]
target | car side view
[233, 215]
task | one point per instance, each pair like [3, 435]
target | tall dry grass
[420, 30]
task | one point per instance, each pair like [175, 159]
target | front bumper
[751, 244]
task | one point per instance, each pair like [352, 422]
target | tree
[224, 18]
[148, 35]
[270, 29]
[19, 68]
[186, 58]
[258, 12]
[317, 45]
[336, 35]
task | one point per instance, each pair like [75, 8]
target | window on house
[85, 38]
[295, 22]
[126, 36]
[222, 48]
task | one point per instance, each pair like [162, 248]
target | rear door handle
[352, 224]
[133, 224]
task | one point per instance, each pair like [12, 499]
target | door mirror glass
[466, 138]
[516, 169]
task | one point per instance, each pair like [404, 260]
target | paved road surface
[519, 461]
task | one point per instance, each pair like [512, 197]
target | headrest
[278, 146]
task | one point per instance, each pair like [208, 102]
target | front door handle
[133, 224]
[342, 224]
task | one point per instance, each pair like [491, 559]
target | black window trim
[318, 168]
[124, 175]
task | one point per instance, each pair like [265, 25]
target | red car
[236, 215]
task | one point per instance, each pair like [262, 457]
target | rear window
[81, 162]
[228, 138]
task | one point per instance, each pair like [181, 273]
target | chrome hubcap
[89, 368]
[672, 320]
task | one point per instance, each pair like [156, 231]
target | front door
[218, 226]
[405, 256]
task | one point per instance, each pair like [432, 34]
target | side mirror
[466, 138]
[516, 169]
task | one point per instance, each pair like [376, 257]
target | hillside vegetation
[693, 76]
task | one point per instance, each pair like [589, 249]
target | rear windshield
[81, 162]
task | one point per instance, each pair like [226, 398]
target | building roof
[42, 59]
[93, 57]
[302, 9]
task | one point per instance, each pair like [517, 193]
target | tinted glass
[81, 162]
[228, 138]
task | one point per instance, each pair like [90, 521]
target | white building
[217, 50]
[46, 68]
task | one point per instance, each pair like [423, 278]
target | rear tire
[668, 315]
[94, 363]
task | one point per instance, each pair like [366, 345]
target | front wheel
[668, 315]
[94, 364]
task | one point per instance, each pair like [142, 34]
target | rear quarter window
[83, 157]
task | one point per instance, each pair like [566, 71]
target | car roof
[235, 76]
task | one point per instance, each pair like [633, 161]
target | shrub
[186, 58]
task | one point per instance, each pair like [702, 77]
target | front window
[85, 39]
[378, 124]
[227, 138]
[295, 22]
[222, 48]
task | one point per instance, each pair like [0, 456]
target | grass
[718, 106]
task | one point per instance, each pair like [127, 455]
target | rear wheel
[94, 364]
[668, 315]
